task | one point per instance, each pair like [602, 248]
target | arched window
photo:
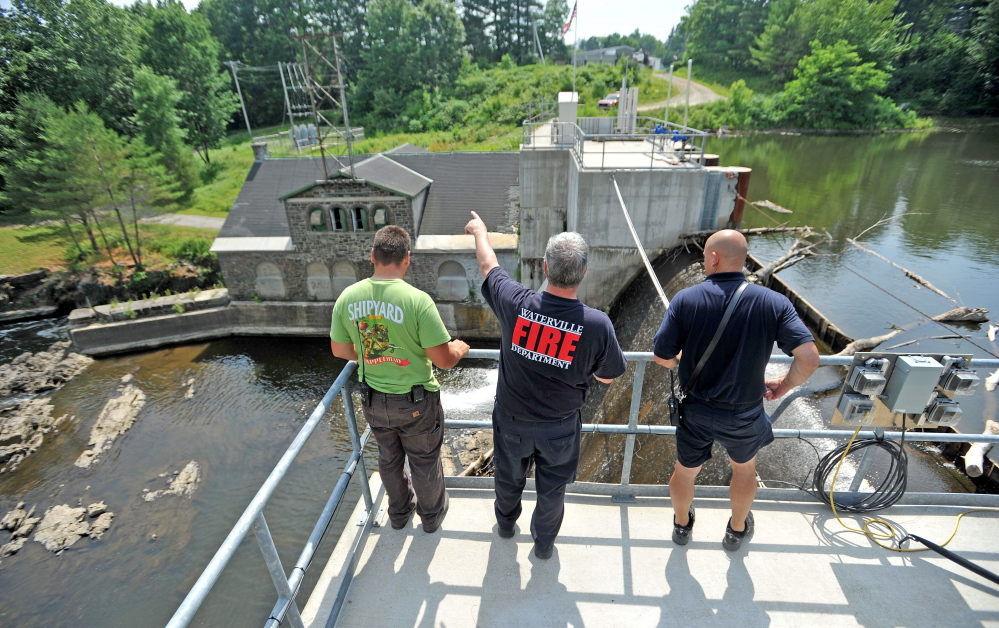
[317, 220]
[270, 282]
[344, 275]
[382, 217]
[359, 217]
[452, 282]
[339, 219]
[318, 282]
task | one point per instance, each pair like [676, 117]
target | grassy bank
[23, 249]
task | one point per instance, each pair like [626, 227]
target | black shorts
[742, 434]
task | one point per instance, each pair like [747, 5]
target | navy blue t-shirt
[734, 373]
[550, 347]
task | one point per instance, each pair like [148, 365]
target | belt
[721, 405]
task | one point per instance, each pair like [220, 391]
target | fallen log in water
[964, 315]
[701, 235]
[908, 273]
[865, 344]
[473, 468]
[773, 207]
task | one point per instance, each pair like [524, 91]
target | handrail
[570, 135]
[254, 512]
[287, 587]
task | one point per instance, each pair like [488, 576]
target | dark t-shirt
[734, 373]
[550, 348]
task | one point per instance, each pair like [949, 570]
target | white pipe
[638, 244]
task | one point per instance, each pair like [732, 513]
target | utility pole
[686, 112]
[669, 94]
[232, 66]
[319, 69]
[537, 41]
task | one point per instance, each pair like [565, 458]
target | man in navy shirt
[551, 345]
[725, 403]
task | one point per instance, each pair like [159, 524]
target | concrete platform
[615, 565]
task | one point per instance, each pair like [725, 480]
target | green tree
[412, 50]
[722, 31]
[550, 26]
[178, 44]
[984, 51]
[834, 89]
[146, 186]
[872, 26]
[156, 99]
[71, 51]
[476, 18]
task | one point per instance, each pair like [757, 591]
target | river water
[252, 395]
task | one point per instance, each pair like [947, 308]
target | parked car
[608, 101]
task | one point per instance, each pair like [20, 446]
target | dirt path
[699, 94]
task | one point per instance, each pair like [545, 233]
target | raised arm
[483, 250]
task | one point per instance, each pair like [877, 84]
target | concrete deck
[619, 154]
[615, 565]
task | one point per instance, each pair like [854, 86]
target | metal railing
[287, 586]
[589, 139]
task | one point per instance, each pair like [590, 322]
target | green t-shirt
[390, 322]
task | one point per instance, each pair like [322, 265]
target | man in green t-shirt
[396, 335]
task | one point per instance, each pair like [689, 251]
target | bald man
[725, 401]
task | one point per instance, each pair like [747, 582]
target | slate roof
[390, 175]
[484, 182]
[258, 212]
[487, 183]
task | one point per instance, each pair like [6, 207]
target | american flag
[568, 25]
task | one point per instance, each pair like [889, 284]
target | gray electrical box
[911, 384]
[856, 409]
[867, 381]
[960, 381]
[944, 412]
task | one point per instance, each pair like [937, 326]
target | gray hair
[566, 258]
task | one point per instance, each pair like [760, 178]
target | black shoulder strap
[714, 341]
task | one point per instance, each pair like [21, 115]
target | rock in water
[12, 547]
[96, 509]
[61, 527]
[185, 483]
[30, 373]
[22, 429]
[12, 520]
[117, 417]
[101, 525]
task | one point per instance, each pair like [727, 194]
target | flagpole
[575, 48]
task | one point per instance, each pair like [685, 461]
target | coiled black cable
[891, 489]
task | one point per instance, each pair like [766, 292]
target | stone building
[291, 236]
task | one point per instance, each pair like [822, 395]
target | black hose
[964, 562]
[891, 489]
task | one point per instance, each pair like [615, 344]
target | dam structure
[614, 564]
[293, 241]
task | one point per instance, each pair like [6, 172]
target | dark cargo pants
[415, 430]
[554, 448]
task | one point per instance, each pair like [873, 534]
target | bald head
[725, 251]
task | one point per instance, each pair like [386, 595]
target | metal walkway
[615, 565]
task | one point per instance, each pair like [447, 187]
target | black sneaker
[733, 539]
[681, 534]
[544, 553]
[431, 528]
[505, 533]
